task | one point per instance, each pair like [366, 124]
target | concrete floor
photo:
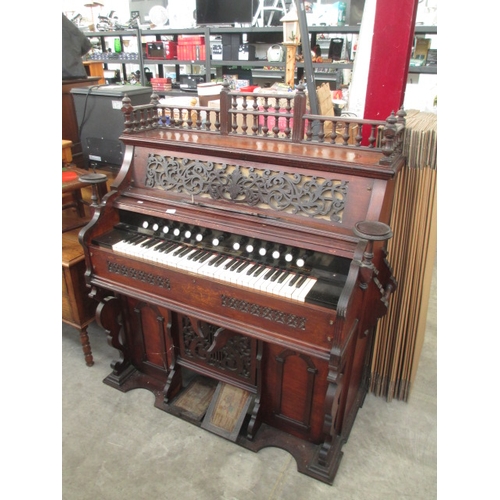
[119, 446]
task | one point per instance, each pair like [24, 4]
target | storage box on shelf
[161, 84]
[165, 50]
[191, 48]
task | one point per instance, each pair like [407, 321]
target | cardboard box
[208, 92]
[422, 46]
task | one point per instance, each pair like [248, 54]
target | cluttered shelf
[227, 39]
[218, 47]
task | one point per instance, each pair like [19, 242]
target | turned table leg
[87, 351]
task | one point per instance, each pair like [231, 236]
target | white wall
[73, 7]
[422, 89]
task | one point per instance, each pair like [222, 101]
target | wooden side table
[67, 155]
[78, 309]
[95, 69]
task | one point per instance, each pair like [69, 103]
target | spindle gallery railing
[270, 116]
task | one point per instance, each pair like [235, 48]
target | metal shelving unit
[272, 33]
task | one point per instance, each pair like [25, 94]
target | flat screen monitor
[210, 12]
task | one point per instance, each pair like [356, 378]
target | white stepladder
[271, 7]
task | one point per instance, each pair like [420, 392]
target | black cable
[82, 122]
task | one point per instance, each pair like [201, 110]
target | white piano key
[303, 290]
[214, 265]
[280, 289]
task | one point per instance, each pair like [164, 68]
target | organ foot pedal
[220, 408]
[227, 411]
[192, 403]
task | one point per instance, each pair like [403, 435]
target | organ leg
[108, 316]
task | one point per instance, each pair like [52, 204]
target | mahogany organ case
[240, 267]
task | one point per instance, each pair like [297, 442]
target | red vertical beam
[392, 43]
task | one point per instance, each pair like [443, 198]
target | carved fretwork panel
[268, 313]
[293, 193]
[137, 274]
[218, 348]
[295, 376]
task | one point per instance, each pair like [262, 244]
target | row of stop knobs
[238, 244]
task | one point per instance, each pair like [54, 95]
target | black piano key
[270, 273]
[219, 261]
[253, 269]
[140, 240]
[275, 275]
[228, 264]
[169, 248]
[237, 263]
[185, 251]
[208, 257]
[283, 277]
[178, 251]
[150, 243]
[196, 255]
[133, 238]
[300, 282]
[161, 247]
[243, 265]
[259, 271]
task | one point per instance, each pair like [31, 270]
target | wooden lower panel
[293, 394]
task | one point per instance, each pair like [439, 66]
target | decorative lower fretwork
[291, 320]
[136, 274]
[234, 356]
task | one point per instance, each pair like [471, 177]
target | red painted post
[392, 43]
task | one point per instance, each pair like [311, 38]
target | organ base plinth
[304, 453]
[184, 406]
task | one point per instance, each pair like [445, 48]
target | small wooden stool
[78, 309]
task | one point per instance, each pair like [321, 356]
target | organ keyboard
[244, 266]
[289, 272]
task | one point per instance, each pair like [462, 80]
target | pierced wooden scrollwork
[294, 193]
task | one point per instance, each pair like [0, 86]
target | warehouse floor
[118, 445]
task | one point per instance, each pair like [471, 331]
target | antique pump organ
[240, 266]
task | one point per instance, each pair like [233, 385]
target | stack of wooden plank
[412, 253]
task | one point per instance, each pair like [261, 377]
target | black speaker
[101, 121]
[335, 49]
